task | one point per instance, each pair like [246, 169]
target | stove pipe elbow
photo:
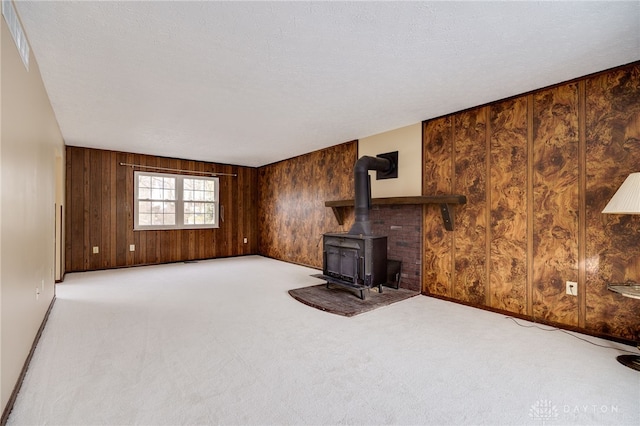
[362, 224]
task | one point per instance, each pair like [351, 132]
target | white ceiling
[253, 83]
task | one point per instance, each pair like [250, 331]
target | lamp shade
[626, 200]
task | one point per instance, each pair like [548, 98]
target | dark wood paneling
[470, 231]
[100, 213]
[613, 151]
[551, 159]
[437, 175]
[75, 250]
[555, 203]
[291, 213]
[508, 202]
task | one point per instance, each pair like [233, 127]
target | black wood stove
[358, 259]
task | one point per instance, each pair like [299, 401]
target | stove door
[342, 262]
[349, 265]
[332, 261]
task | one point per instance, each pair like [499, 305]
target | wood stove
[358, 259]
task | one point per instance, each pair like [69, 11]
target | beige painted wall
[2, 400]
[408, 142]
[30, 138]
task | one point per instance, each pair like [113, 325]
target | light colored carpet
[221, 342]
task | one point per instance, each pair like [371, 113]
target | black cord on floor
[570, 334]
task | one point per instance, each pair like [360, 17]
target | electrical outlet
[572, 288]
[132, 247]
[96, 250]
[246, 240]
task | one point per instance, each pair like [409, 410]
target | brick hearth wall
[402, 224]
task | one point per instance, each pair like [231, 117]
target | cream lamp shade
[626, 200]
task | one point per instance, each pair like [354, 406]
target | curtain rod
[140, 166]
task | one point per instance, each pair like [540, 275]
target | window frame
[179, 202]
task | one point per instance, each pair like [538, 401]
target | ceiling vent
[11, 17]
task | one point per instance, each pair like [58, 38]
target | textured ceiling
[253, 83]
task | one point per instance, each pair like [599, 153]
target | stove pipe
[362, 224]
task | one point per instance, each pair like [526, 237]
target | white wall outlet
[246, 240]
[572, 288]
[132, 247]
[96, 250]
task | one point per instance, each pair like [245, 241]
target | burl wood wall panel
[291, 194]
[99, 202]
[507, 254]
[612, 243]
[537, 171]
[555, 203]
[470, 278]
[437, 179]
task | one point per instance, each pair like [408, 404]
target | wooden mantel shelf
[442, 200]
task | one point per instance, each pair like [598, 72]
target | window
[15, 28]
[167, 201]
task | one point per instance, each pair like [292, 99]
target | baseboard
[136, 265]
[25, 367]
[538, 320]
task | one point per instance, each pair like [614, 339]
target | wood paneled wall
[291, 212]
[612, 249]
[99, 212]
[537, 171]
[507, 211]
